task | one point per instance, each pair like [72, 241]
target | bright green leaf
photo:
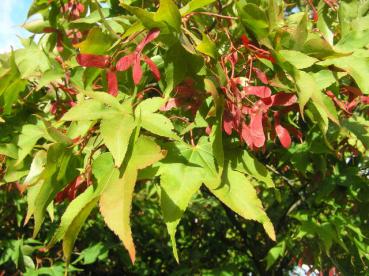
[357, 66]
[31, 61]
[178, 183]
[306, 86]
[274, 254]
[298, 59]
[116, 133]
[96, 42]
[245, 162]
[154, 122]
[194, 5]
[238, 194]
[89, 110]
[207, 47]
[27, 140]
[168, 12]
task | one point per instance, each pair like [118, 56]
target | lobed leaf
[116, 200]
[116, 133]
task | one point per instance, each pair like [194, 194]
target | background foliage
[239, 126]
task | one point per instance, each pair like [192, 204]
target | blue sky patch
[13, 14]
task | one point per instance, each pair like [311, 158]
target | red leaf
[153, 68]
[315, 12]
[353, 92]
[186, 96]
[246, 136]
[71, 191]
[332, 271]
[186, 89]
[295, 132]
[68, 90]
[60, 197]
[137, 71]
[364, 99]
[237, 116]
[256, 130]
[112, 83]
[261, 75]
[153, 34]
[59, 37]
[75, 36]
[300, 263]
[54, 108]
[64, 8]
[331, 3]
[125, 62]
[259, 91]
[283, 99]
[264, 104]
[283, 136]
[352, 105]
[245, 40]
[267, 56]
[88, 60]
[227, 123]
[337, 102]
[233, 58]
[170, 104]
[80, 7]
[246, 110]
[282, 133]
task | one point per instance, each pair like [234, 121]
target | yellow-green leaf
[79, 209]
[238, 194]
[195, 5]
[96, 42]
[154, 122]
[298, 59]
[168, 12]
[55, 177]
[116, 133]
[75, 227]
[178, 183]
[116, 200]
[306, 86]
[207, 46]
[90, 110]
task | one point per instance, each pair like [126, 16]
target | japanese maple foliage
[134, 60]
[261, 105]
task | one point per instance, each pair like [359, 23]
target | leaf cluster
[261, 105]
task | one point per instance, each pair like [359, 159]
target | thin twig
[213, 25]
[212, 14]
[103, 20]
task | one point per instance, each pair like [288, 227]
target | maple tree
[259, 104]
